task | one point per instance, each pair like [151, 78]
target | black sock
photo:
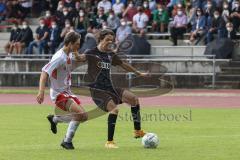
[112, 118]
[136, 117]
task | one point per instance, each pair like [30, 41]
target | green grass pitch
[202, 134]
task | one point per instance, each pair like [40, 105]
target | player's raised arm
[42, 83]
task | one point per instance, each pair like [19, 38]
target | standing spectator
[230, 32]
[217, 27]
[24, 38]
[113, 21]
[235, 16]
[3, 10]
[129, 12]
[118, 7]
[54, 39]
[140, 21]
[160, 19]
[199, 26]
[106, 5]
[48, 19]
[13, 37]
[41, 38]
[179, 26]
[123, 31]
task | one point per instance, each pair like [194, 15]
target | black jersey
[99, 68]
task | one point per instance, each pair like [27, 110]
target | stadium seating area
[195, 22]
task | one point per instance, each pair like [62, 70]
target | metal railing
[130, 58]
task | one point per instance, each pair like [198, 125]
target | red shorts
[62, 99]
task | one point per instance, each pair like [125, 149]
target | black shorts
[102, 97]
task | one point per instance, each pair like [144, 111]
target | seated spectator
[113, 21]
[86, 5]
[14, 11]
[55, 38]
[3, 10]
[24, 38]
[217, 27]
[118, 8]
[226, 11]
[146, 10]
[68, 28]
[208, 11]
[63, 16]
[140, 21]
[123, 31]
[199, 26]
[106, 5]
[25, 7]
[179, 26]
[41, 38]
[13, 37]
[69, 4]
[99, 18]
[104, 25]
[152, 5]
[129, 12]
[160, 19]
[230, 32]
[235, 15]
[81, 23]
[48, 19]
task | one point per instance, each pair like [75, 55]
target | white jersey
[59, 71]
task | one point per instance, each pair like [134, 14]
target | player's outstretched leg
[112, 118]
[79, 115]
[131, 99]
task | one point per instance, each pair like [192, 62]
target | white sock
[57, 119]
[72, 127]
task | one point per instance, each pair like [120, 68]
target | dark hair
[71, 37]
[103, 33]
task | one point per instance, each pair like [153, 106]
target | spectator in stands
[230, 32]
[152, 5]
[113, 21]
[129, 12]
[63, 16]
[208, 12]
[160, 19]
[235, 15]
[179, 26]
[14, 11]
[100, 18]
[140, 21]
[25, 7]
[68, 28]
[226, 11]
[13, 38]
[86, 5]
[118, 8]
[55, 38]
[81, 23]
[104, 25]
[41, 38]
[24, 38]
[123, 31]
[217, 27]
[3, 10]
[146, 10]
[121, 1]
[106, 5]
[69, 4]
[199, 26]
[48, 19]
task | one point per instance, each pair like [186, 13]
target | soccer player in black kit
[103, 93]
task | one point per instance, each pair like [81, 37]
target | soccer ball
[150, 140]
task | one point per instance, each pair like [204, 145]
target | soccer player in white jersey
[58, 70]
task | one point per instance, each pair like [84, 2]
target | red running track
[179, 98]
